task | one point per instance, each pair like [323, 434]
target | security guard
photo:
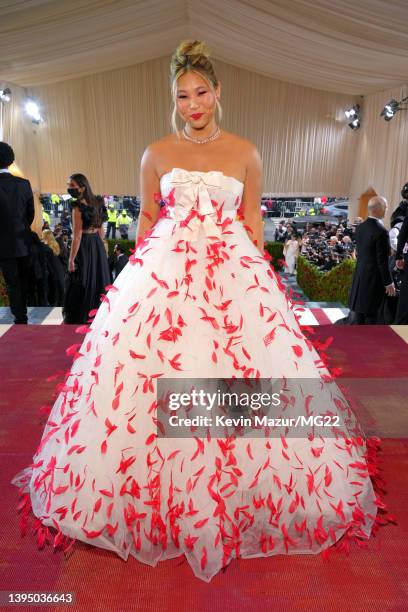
[123, 223]
[46, 217]
[112, 221]
[55, 201]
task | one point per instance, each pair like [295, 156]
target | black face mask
[74, 193]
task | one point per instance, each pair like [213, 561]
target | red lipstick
[197, 115]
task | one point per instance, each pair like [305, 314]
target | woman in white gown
[291, 253]
[198, 298]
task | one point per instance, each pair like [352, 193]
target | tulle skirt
[104, 473]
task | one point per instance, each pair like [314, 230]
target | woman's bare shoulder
[157, 151]
[162, 144]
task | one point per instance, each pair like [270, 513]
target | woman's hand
[71, 265]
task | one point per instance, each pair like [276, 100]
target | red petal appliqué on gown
[197, 300]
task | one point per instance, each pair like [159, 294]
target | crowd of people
[68, 265]
[117, 219]
[47, 268]
[324, 244]
[57, 204]
[379, 291]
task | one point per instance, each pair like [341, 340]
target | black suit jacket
[120, 264]
[16, 215]
[372, 273]
[402, 239]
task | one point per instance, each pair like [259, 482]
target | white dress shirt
[394, 232]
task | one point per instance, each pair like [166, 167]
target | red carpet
[366, 351]
[374, 579]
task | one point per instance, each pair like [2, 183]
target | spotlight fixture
[33, 111]
[353, 114]
[5, 95]
[392, 107]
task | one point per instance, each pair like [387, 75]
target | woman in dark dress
[88, 269]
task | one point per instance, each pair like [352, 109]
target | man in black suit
[16, 216]
[372, 279]
[121, 260]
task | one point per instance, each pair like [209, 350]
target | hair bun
[189, 53]
[194, 51]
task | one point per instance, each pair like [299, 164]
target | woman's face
[71, 184]
[196, 101]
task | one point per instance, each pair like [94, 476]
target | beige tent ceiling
[347, 46]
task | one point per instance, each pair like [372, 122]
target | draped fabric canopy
[99, 69]
[381, 161]
[345, 46]
[101, 124]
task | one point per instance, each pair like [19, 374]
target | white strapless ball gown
[195, 300]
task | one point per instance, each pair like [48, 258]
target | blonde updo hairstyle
[194, 56]
[49, 239]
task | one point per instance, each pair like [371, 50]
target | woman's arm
[76, 237]
[251, 200]
[103, 217]
[149, 188]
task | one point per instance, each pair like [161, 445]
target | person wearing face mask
[88, 269]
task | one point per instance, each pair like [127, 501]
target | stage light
[353, 114]
[5, 95]
[392, 107]
[33, 110]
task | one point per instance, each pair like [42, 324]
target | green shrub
[332, 286]
[275, 249]
[3, 293]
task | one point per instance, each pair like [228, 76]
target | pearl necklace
[198, 141]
